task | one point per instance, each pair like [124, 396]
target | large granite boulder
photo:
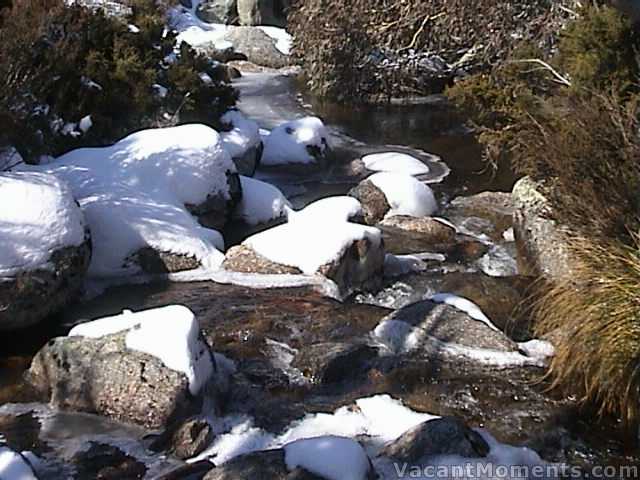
[46, 248]
[263, 12]
[374, 202]
[542, 244]
[218, 11]
[149, 368]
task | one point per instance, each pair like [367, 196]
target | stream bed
[280, 340]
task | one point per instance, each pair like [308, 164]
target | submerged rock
[496, 209]
[331, 362]
[443, 436]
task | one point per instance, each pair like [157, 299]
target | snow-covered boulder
[15, 466]
[324, 243]
[261, 203]
[45, 248]
[149, 368]
[144, 192]
[242, 141]
[302, 143]
[386, 194]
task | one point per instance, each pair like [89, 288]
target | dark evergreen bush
[60, 63]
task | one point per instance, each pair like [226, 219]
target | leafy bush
[60, 63]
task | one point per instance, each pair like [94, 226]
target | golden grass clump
[594, 319]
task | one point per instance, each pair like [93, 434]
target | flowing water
[238, 320]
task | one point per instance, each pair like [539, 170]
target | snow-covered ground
[14, 466]
[38, 217]
[133, 194]
[171, 334]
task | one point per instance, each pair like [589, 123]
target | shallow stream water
[513, 405]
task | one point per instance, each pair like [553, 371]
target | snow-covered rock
[242, 141]
[323, 242]
[331, 457]
[45, 247]
[143, 192]
[304, 141]
[394, 162]
[405, 194]
[15, 466]
[261, 202]
[156, 359]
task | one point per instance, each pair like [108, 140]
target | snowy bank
[138, 193]
[303, 141]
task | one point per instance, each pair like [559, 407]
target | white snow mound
[244, 133]
[330, 209]
[261, 202]
[395, 162]
[171, 334]
[405, 194]
[331, 457]
[38, 216]
[13, 466]
[287, 143]
[134, 194]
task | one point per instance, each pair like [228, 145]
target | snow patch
[331, 457]
[44, 219]
[288, 143]
[395, 162]
[14, 466]
[405, 194]
[330, 209]
[464, 305]
[171, 334]
[85, 124]
[261, 202]
[244, 133]
[283, 39]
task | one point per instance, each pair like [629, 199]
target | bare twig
[426, 20]
[549, 68]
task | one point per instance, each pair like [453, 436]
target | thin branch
[559, 78]
[426, 20]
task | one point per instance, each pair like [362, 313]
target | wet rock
[243, 259]
[360, 267]
[268, 465]
[106, 462]
[432, 230]
[218, 11]
[155, 262]
[216, 210]
[95, 375]
[249, 161]
[374, 202]
[443, 436]
[330, 362]
[448, 324]
[28, 297]
[256, 46]
[21, 432]
[263, 12]
[185, 439]
[500, 261]
[495, 208]
[542, 244]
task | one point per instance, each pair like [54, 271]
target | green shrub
[60, 63]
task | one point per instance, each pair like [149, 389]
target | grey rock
[218, 11]
[257, 46]
[155, 262]
[249, 162]
[448, 324]
[431, 230]
[489, 213]
[107, 462]
[102, 376]
[373, 200]
[263, 12]
[542, 244]
[264, 465]
[187, 439]
[29, 297]
[243, 259]
[443, 436]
